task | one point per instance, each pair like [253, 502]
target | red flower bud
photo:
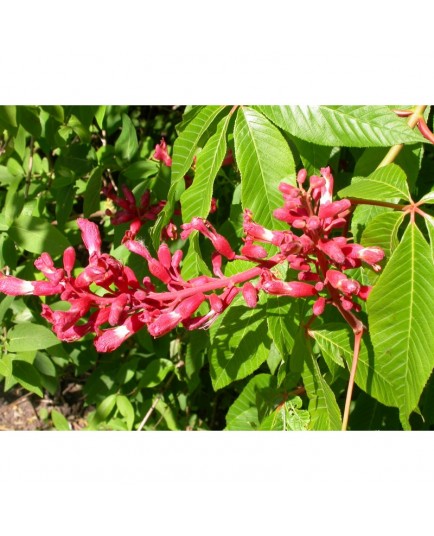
[69, 260]
[319, 306]
[250, 294]
[296, 289]
[164, 323]
[222, 246]
[189, 305]
[164, 256]
[329, 210]
[253, 251]
[371, 255]
[90, 235]
[301, 176]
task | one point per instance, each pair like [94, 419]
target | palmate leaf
[400, 311]
[350, 126]
[196, 200]
[264, 159]
[385, 184]
[240, 343]
[184, 149]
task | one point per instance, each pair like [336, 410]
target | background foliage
[253, 370]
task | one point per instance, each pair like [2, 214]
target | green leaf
[350, 126]
[243, 414]
[196, 200]
[409, 159]
[126, 409]
[184, 150]
[370, 377]
[99, 116]
[193, 265]
[141, 170]
[28, 117]
[362, 216]
[65, 198]
[37, 235]
[240, 343]
[155, 372]
[264, 160]
[281, 319]
[386, 183]
[104, 409]
[92, 193]
[27, 376]
[429, 222]
[313, 156]
[400, 311]
[323, 408]
[6, 366]
[289, 416]
[59, 421]
[427, 198]
[382, 231]
[127, 145]
[8, 115]
[27, 336]
[56, 112]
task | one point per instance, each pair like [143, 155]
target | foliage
[220, 217]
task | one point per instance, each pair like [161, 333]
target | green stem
[396, 149]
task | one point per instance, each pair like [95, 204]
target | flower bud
[69, 260]
[90, 235]
[329, 210]
[164, 256]
[371, 255]
[319, 306]
[253, 251]
[164, 323]
[222, 246]
[189, 305]
[216, 303]
[250, 294]
[296, 289]
[301, 176]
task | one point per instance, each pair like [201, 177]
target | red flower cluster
[119, 305]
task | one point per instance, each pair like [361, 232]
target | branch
[396, 149]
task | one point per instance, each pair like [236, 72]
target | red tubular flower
[330, 210]
[161, 153]
[13, 286]
[90, 235]
[110, 339]
[296, 289]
